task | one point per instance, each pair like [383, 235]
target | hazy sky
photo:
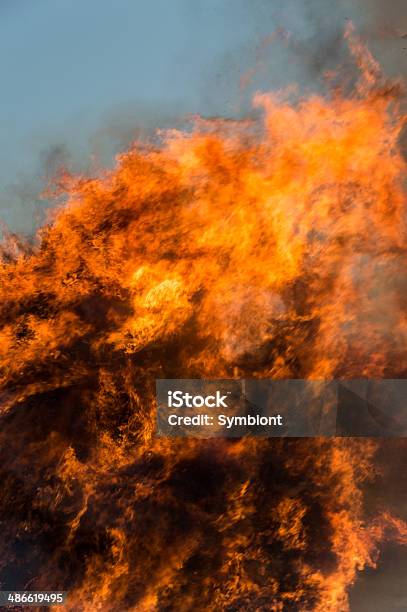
[79, 76]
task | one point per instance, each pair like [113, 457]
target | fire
[273, 248]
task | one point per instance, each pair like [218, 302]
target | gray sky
[81, 76]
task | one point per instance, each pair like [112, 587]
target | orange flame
[269, 248]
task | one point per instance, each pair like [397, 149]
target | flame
[273, 247]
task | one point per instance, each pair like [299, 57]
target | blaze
[272, 247]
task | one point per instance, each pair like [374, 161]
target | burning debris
[235, 249]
